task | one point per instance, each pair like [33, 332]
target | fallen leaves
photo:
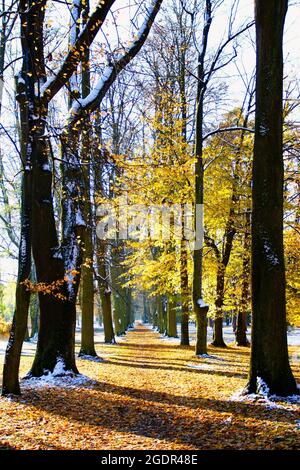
[146, 395]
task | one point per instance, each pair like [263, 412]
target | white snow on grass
[59, 377]
[66, 381]
[202, 366]
[211, 358]
[263, 397]
[87, 357]
[121, 338]
[170, 339]
[228, 420]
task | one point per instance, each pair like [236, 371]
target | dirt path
[148, 394]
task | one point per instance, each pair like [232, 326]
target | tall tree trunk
[269, 352]
[218, 340]
[122, 300]
[153, 312]
[87, 275]
[34, 315]
[160, 315]
[171, 317]
[87, 300]
[37, 218]
[22, 298]
[241, 324]
[119, 299]
[185, 340]
[56, 341]
[105, 292]
[103, 250]
[87, 280]
[129, 310]
[200, 309]
[146, 309]
[19, 325]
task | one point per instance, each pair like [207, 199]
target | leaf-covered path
[149, 394]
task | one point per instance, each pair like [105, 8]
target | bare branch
[75, 54]
[93, 100]
[213, 68]
[228, 129]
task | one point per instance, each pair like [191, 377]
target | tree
[102, 246]
[38, 224]
[269, 352]
[87, 272]
[204, 76]
[241, 323]
[200, 308]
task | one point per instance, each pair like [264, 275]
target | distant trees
[221, 243]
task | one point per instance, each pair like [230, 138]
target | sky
[246, 54]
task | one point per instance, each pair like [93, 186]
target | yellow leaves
[163, 175]
[70, 276]
[4, 327]
[43, 287]
[88, 263]
[292, 264]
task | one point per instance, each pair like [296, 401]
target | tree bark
[153, 312]
[160, 315]
[185, 340]
[105, 293]
[146, 309]
[119, 297]
[87, 272]
[171, 318]
[218, 340]
[19, 324]
[241, 323]
[129, 310]
[199, 311]
[34, 315]
[269, 352]
[60, 265]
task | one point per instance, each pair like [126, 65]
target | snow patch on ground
[170, 339]
[228, 420]
[210, 357]
[60, 377]
[67, 381]
[87, 357]
[121, 338]
[263, 397]
[202, 366]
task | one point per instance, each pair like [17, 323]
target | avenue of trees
[126, 106]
